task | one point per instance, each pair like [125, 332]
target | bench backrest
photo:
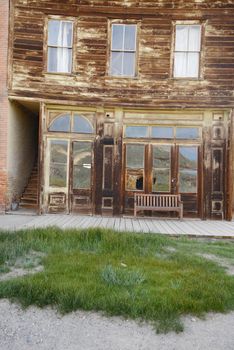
[157, 200]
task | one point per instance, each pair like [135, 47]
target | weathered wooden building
[111, 98]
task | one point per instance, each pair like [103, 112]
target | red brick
[4, 20]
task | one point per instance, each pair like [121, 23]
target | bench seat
[158, 202]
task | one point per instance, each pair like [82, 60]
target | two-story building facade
[113, 98]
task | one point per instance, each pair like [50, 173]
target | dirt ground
[47, 330]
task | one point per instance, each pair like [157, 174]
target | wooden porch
[191, 227]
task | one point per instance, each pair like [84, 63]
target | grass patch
[145, 277]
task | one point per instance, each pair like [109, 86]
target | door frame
[174, 174]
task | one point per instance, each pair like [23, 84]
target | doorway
[171, 168]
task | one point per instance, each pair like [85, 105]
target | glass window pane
[59, 33]
[193, 65]
[129, 64]
[130, 38]
[135, 180]
[136, 131]
[117, 37]
[82, 125]
[116, 63]
[159, 132]
[194, 38]
[135, 155]
[180, 65]
[58, 151]
[82, 165]
[182, 36]
[161, 157]
[188, 169]
[58, 175]
[187, 133]
[58, 163]
[61, 124]
[161, 168]
[53, 32]
[59, 60]
[161, 180]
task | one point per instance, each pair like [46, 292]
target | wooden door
[189, 178]
[81, 179]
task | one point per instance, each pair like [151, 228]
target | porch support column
[118, 163]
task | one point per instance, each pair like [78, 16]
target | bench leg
[181, 211]
[135, 212]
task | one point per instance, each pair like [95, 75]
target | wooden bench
[158, 202]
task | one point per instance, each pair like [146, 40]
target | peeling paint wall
[153, 85]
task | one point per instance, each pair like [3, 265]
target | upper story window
[187, 51]
[60, 38]
[123, 50]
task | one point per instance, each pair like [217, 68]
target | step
[28, 205]
[26, 197]
[32, 191]
[25, 202]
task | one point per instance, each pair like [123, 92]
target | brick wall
[4, 13]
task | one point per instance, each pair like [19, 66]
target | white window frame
[58, 46]
[187, 52]
[124, 25]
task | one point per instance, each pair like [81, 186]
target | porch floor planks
[154, 227]
[141, 225]
[223, 226]
[166, 228]
[136, 226]
[45, 221]
[70, 223]
[128, 225]
[209, 227]
[104, 223]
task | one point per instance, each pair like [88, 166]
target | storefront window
[58, 163]
[82, 165]
[188, 162]
[135, 155]
[161, 168]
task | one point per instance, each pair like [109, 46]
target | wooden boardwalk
[139, 225]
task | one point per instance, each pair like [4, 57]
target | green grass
[144, 277]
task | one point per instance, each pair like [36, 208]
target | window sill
[121, 77]
[186, 79]
[59, 74]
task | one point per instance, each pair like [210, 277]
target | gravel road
[47, 330]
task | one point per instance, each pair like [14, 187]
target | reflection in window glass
[82, 165]
[159, 132]
[188, 159]
[135, 167]
[161, 168]
[82, 125]
[58, 163]
[136, 131]
[61, 124]
[135, 156]
[187, 133]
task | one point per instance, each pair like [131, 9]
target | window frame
[46, 46]
[71, 129]
[201, 56]
[109, 48]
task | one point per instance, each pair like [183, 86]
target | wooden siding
[153, 87]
